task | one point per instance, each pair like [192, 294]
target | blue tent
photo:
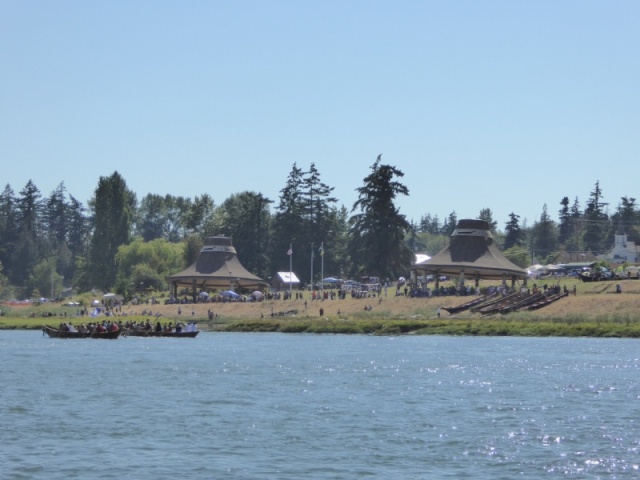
[230, 294]
[331, 280]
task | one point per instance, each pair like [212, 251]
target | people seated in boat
[178, 328]
[158, 327]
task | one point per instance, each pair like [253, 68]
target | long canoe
[153, 333]
[57, 333]
[472, 303]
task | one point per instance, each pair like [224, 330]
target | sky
[481, 104]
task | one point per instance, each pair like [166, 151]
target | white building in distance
[623, 251]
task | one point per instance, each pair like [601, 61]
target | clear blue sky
[504, 105]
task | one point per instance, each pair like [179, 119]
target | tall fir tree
[564, 228]
[544, 236]
[487, 215]
[289, 224]
[378, 230]
[8, 232]
[30, 246]
[305, 219]
[626, 219]
[598, 228]
[514, 236]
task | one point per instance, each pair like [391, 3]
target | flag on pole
[321, 250]
[290, 251]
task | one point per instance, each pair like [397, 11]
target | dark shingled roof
[217, 266]
[471, 251]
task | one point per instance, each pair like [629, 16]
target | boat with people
[146, 329]
[65, 333]
[153, 333]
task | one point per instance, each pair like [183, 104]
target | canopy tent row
[217, 266]
[470, 254]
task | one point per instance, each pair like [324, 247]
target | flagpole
[290, 268]
[322, 268]
[311, 268]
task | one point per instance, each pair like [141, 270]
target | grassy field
[596, 311]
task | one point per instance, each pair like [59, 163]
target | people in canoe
[92, 327]
[191, 326]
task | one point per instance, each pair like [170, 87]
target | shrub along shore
[595, 311]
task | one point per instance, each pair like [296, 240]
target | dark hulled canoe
[153, 333]
[56, 333]
[466, 306]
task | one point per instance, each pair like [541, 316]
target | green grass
[612, 326]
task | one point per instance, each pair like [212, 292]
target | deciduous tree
[113, 208]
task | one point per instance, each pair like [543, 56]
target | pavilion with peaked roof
[217, 266]
[471, 254]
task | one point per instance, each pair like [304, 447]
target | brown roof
[217, 266]
[472, 252]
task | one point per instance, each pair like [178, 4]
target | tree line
[118, 243]
[579, 233]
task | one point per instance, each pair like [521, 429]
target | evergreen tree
[319, 215]
[514, 235]
[305, 219]
[627, 218]
[56, 220]
[487, 215]
[430, 224]
[56, 216]
[78, 227]
[574, 242]
[424, 225]
[377, 243]
[450, 224]
[597, 230]
[113, 206]
[544, 236]
[564, 214]
[8, 232]
[77, 243]
[29, 245]
[289, 225]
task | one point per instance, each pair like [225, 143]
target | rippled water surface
[301, 406]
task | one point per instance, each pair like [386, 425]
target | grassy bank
[596, 311]
[613, 326]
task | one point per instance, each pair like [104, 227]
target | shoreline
[596, 310]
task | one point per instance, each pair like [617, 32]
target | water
[275, 406]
